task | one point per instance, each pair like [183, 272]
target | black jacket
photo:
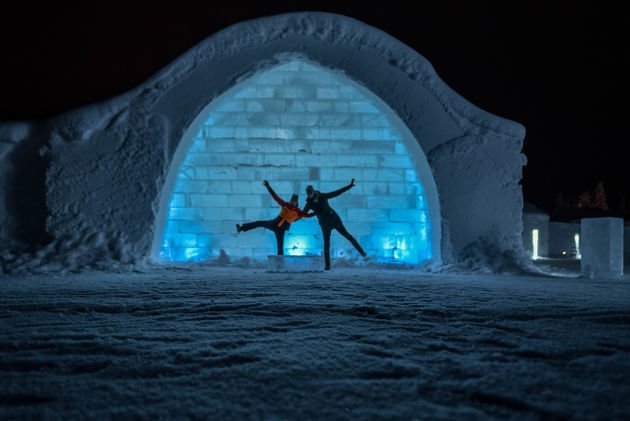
[319, 205]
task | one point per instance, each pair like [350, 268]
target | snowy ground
[228, 343]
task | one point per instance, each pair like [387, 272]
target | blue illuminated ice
[297, 124]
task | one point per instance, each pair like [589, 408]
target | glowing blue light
[294, 125]
[295, 251]
[191, 253]
[301, 245]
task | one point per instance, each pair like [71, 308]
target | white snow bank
[88, 250]
[83, 250]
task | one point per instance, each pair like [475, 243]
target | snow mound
[84, 250]
[89, 250]
[486, 257]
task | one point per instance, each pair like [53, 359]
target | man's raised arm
[338, 192]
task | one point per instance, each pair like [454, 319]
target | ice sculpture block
[602, 247]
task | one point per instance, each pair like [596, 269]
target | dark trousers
[327, 230]
[272, 226]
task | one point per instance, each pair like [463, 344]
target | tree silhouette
[599, 197]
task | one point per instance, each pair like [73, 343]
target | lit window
[578, 255]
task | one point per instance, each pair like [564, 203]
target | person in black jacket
[329, 219]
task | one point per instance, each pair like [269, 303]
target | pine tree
[599, 197]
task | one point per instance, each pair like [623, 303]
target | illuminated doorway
[298, 124]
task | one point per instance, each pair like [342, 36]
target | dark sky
[559, 69]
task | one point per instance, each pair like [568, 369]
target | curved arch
[399, 75]
[408, 230]
[474, 156]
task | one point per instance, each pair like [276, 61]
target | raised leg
[343, 231]
[257, 224]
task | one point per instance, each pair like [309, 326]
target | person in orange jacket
[289, 213]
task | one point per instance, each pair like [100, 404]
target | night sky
[559, 70]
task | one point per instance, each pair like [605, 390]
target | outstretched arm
[304, 213]
[273, 194]
[306, 209]
[338, 192]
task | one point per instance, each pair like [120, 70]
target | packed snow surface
[356, 343]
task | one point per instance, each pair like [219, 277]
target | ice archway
[112, 167]
[295, 124]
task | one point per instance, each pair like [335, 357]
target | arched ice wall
[298, 124]
[108, 162]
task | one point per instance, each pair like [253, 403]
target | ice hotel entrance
[297, 123]
[168, 168]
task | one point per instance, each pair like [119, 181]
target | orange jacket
[289, 213]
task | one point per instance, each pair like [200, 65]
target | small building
[564, 239]
[558, 235]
